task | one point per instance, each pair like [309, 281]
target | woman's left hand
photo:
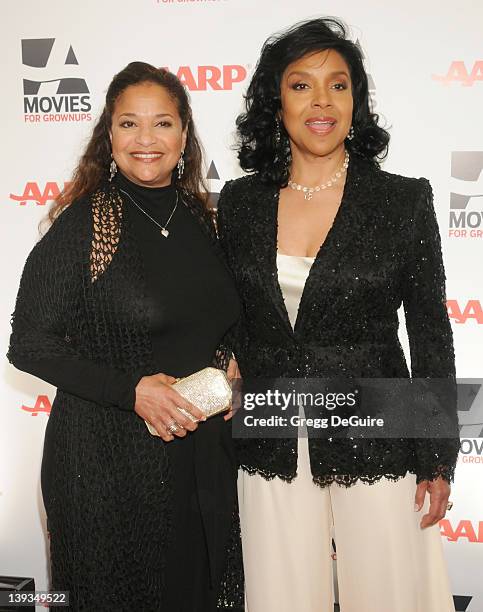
[232, 373]
[439, 491]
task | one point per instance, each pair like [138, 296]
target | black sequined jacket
[382, 250]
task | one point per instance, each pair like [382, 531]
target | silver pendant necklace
[309, 191]
[163, 228]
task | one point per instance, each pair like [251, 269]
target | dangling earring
[350, 135]
[277, 137]
[283, 154]
[180, 165]
[112, 169]
[278, 134]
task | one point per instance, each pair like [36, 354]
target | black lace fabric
[81, 313]
[382, 251]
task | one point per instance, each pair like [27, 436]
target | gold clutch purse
[207, 389]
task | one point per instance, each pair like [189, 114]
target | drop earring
[278, 134]
[350, 135]
[112, 169]
[180, 165]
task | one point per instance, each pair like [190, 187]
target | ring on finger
[187, 414]
[173, 427]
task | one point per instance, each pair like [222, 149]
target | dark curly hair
[258, 150]
[93, 168]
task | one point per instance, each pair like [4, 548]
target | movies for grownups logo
[470, 412]
[466, 197]
[461, 602]
[53, 89]
[214, 194]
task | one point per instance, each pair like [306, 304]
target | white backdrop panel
[406, 45]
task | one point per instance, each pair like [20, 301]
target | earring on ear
[112, 169]
[278, 133]
[180, 165]
[283, 153]
[350, 135]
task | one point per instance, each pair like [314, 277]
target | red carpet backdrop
[425, 61]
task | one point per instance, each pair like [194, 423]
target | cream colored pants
[385, 561]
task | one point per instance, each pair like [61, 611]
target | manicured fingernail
[417, 507]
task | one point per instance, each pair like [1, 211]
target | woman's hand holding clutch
[232, 374]
[157, 403]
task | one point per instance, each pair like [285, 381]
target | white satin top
[292, 274]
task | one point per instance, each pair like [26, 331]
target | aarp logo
[459, 72]
[469, 531]
[42, 404]
[38, 194]
[217, 78]
[464, 312]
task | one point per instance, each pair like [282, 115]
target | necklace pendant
[309, 191]
[164, 232]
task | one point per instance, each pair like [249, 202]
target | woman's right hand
[157, 403]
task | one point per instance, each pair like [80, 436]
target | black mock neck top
[191, 298]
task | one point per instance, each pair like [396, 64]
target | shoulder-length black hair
[258, 150]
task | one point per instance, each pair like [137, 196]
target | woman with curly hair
[117, 299]
[325, 247]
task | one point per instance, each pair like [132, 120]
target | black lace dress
[135, 523]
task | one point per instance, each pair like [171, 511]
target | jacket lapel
[341, 241]
[263, 225]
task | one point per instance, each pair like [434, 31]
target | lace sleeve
[42, 342]
[429, 332]
[223, 354]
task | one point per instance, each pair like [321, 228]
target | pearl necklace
[309, 191]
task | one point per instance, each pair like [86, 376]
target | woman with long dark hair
[118, 299]
[325, 247]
